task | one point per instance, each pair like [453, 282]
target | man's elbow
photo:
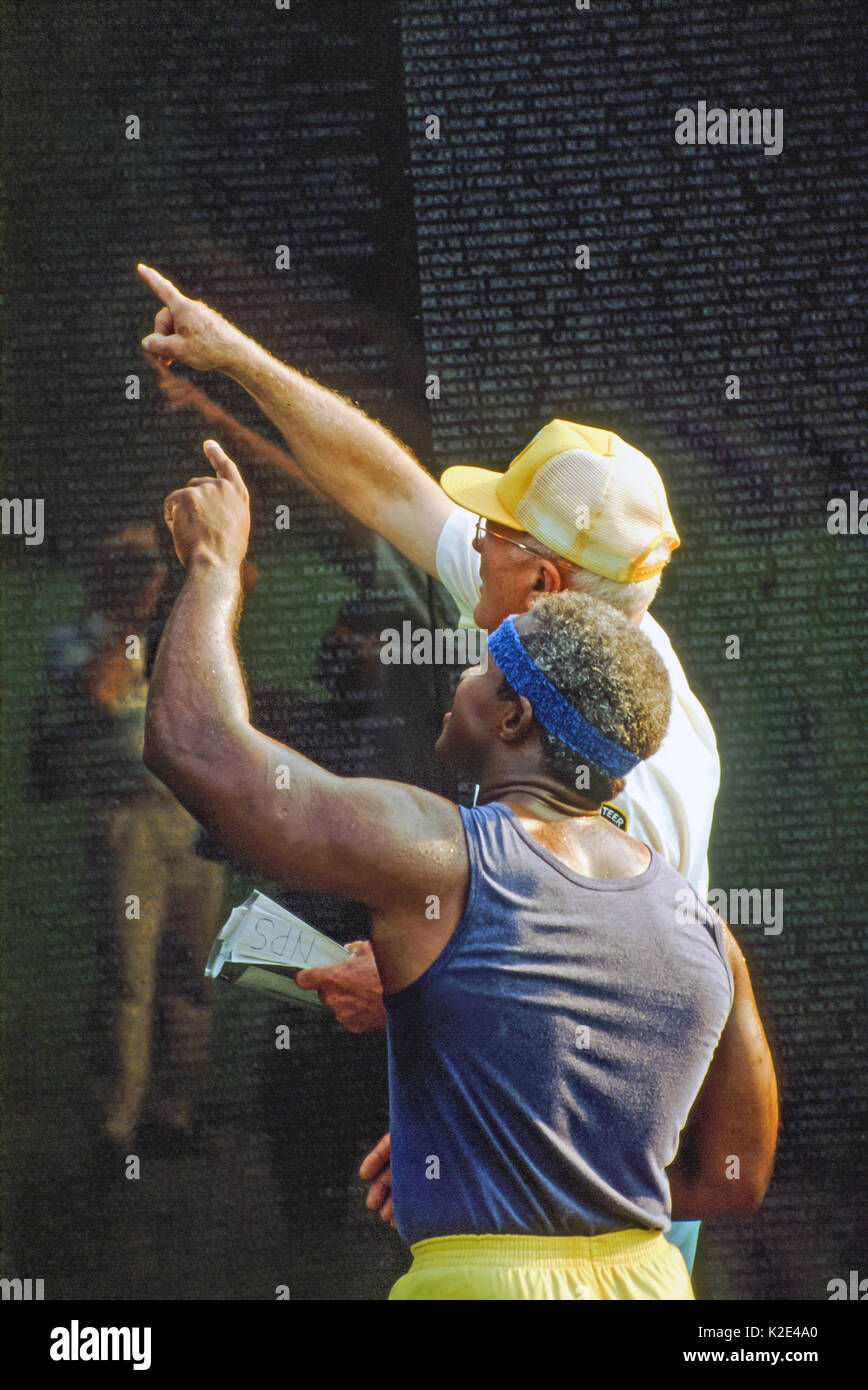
[747, 1195]
[720, 1196]
[730, 1181]
[746, 1181]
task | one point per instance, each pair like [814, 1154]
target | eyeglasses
[484, 528]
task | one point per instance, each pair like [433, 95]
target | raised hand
[186, 329]
[210, 517]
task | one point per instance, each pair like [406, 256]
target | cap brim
[475, 489]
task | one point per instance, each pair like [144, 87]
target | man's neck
[540, 798]
[571, 828]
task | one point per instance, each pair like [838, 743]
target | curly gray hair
[609, 671]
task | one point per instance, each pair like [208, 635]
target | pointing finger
[222, 463]
[168, 292]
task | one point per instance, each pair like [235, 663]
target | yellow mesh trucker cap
[583, 492]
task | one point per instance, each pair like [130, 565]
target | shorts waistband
[614, 1248]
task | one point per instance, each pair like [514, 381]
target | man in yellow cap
[577, 509]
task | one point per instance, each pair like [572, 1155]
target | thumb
[162, 345]
[305, 978]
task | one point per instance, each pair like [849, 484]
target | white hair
[631, 599]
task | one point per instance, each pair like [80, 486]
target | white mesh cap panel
[564, 483]
[619, 518]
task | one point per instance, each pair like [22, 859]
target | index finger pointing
[168, 292]
[222, 463]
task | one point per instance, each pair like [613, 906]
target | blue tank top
[542, 1068]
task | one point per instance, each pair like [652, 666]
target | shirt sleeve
[458, 563]
[668, 801]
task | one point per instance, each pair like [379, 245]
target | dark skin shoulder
[585, 842]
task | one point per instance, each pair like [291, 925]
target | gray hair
[629, 598]
[609, 672]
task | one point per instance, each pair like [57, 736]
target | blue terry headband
[552, 709]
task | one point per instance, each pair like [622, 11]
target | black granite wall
[451, 250]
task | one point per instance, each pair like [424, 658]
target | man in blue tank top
[577, 509]
[553, 1012]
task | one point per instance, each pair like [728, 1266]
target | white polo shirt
[668, 800]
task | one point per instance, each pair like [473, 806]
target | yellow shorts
[625, 1264]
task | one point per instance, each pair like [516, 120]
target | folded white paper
[261, 946]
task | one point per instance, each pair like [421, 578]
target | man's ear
[517, 720]
[548, 579]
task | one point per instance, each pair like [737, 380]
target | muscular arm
[376, 842]
[348, 456]
[735, 1117]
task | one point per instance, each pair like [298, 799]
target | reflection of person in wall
[164, 900]
[551, 1024]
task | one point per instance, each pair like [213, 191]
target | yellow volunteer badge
[614, 815]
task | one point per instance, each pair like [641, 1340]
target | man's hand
[210, 517]
[187, 329]
[377, 1171]
[352, 989]
[337, 449]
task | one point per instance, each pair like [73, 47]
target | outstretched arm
[725, 1159]
[344, 453]
[376, 842]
